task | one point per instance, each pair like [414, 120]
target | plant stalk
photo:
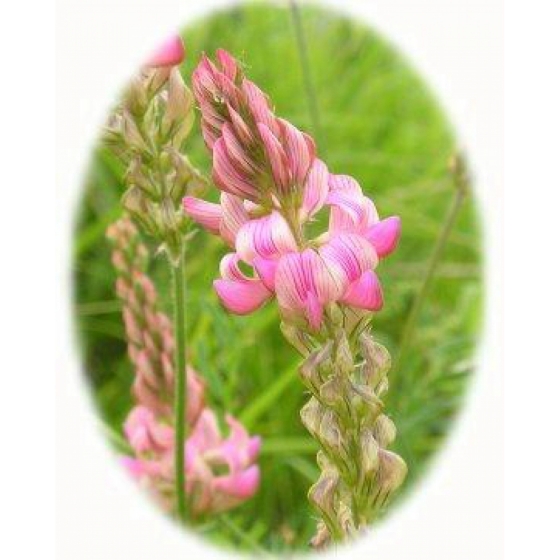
[311, 95]
[178, 272]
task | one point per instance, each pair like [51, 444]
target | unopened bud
[322, 493]
[296, 337]
[179, 113]
[369, 451]
[330, 432]
[366, 403]
[392, 471]
[332, 391]
[310, 368]
[343, 357]
[384, 430]
[378, 360]
[311, 416]
[131, 134]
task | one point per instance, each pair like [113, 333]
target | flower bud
[378, 360]
[392, 471]
[344, 360]
[369, 452]
[332, 391]
[366, 403]
[330, 433]
[310, 368]
[179, 114]
[311, 416]
[296, 337]
[384, 430]
[322, 493]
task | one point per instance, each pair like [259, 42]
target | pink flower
[207, 453]
[353, 212]
[170, 53]
[145, 433]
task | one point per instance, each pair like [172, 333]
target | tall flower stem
[303, 53]
[461, 182]
[178, 272]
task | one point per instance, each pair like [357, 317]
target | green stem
[306, 71]
[178, 271]
[461, 183]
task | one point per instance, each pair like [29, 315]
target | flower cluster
[273, 187]
[220, 472]
[147, 132]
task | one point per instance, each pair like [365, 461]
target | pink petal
[258, 105]
[242, 485]
[169, 53]
[266, 269]
[314, 310]
[316, 189]
[234, 216]
[207, 214]
[227, 177]
[254, 447]
[195, 395]
[300, 274]
[348, 256]
[240, 127]
[241, 298]
[204, 436]
[267, 237]
[238, 155]
[277, 158]
[365, 293]
[384, 235]
[300, 151]
[228, 63]
[134, 467]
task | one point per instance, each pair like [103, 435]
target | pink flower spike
[170, 53]
[316, 189]
[365, 293]
[206, 214]
[241, 298]
[385, 235]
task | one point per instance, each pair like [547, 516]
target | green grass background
[381, 125]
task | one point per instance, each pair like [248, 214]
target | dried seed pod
[384, 430]
[311, 414]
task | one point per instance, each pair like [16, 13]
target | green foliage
[383, 127]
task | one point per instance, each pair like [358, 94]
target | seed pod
[346, 520]
[332, 391]
[330, 433]
[296, 337]
[366, 403]
[179, 115]
[392, 471]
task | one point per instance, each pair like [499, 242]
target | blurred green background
[377, 122]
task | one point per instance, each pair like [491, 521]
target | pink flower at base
[170, 53]
[207, 452]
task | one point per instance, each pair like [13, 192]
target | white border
[456, 512]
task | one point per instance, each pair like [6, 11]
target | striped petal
[277, 158]
[206, 214]
[365, 293]
[227, 177]
[316, 190]
[300, 151]
[348, 256]
[266, 269]
[267, 237]
[234, 217]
